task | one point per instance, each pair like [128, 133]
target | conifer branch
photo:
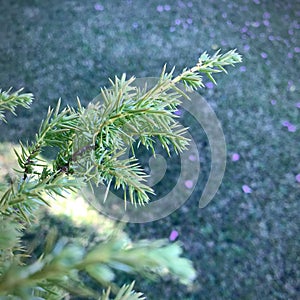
[91, 142]
[9, 101]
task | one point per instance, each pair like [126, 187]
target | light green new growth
[125, 293]
[9, 101]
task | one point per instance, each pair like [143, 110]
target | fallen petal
[173, 235]
[235, 157]
[189, 184]
[246, 189]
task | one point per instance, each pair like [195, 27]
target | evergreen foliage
[90, 142]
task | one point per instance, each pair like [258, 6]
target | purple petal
[189, 184]
[192, 157]
[286, 123]
[297, 49]
[177, 22]
[246, 189]
[271, 37]
[160, 8]
[235, 157]
[298, 104]
[292, 128]
[264, 55]
[178, 112]
[173, 235]
[246, 47]
[209, 85]
[99, 7]
[244, 29]
[243, 69]
[298, 177]
[273, 102]
[167, 7]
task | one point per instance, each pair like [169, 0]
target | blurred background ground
[244, 245]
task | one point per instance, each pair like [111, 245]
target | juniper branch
[128, 114]
[9, 101]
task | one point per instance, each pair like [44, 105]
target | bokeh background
[245, 244]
